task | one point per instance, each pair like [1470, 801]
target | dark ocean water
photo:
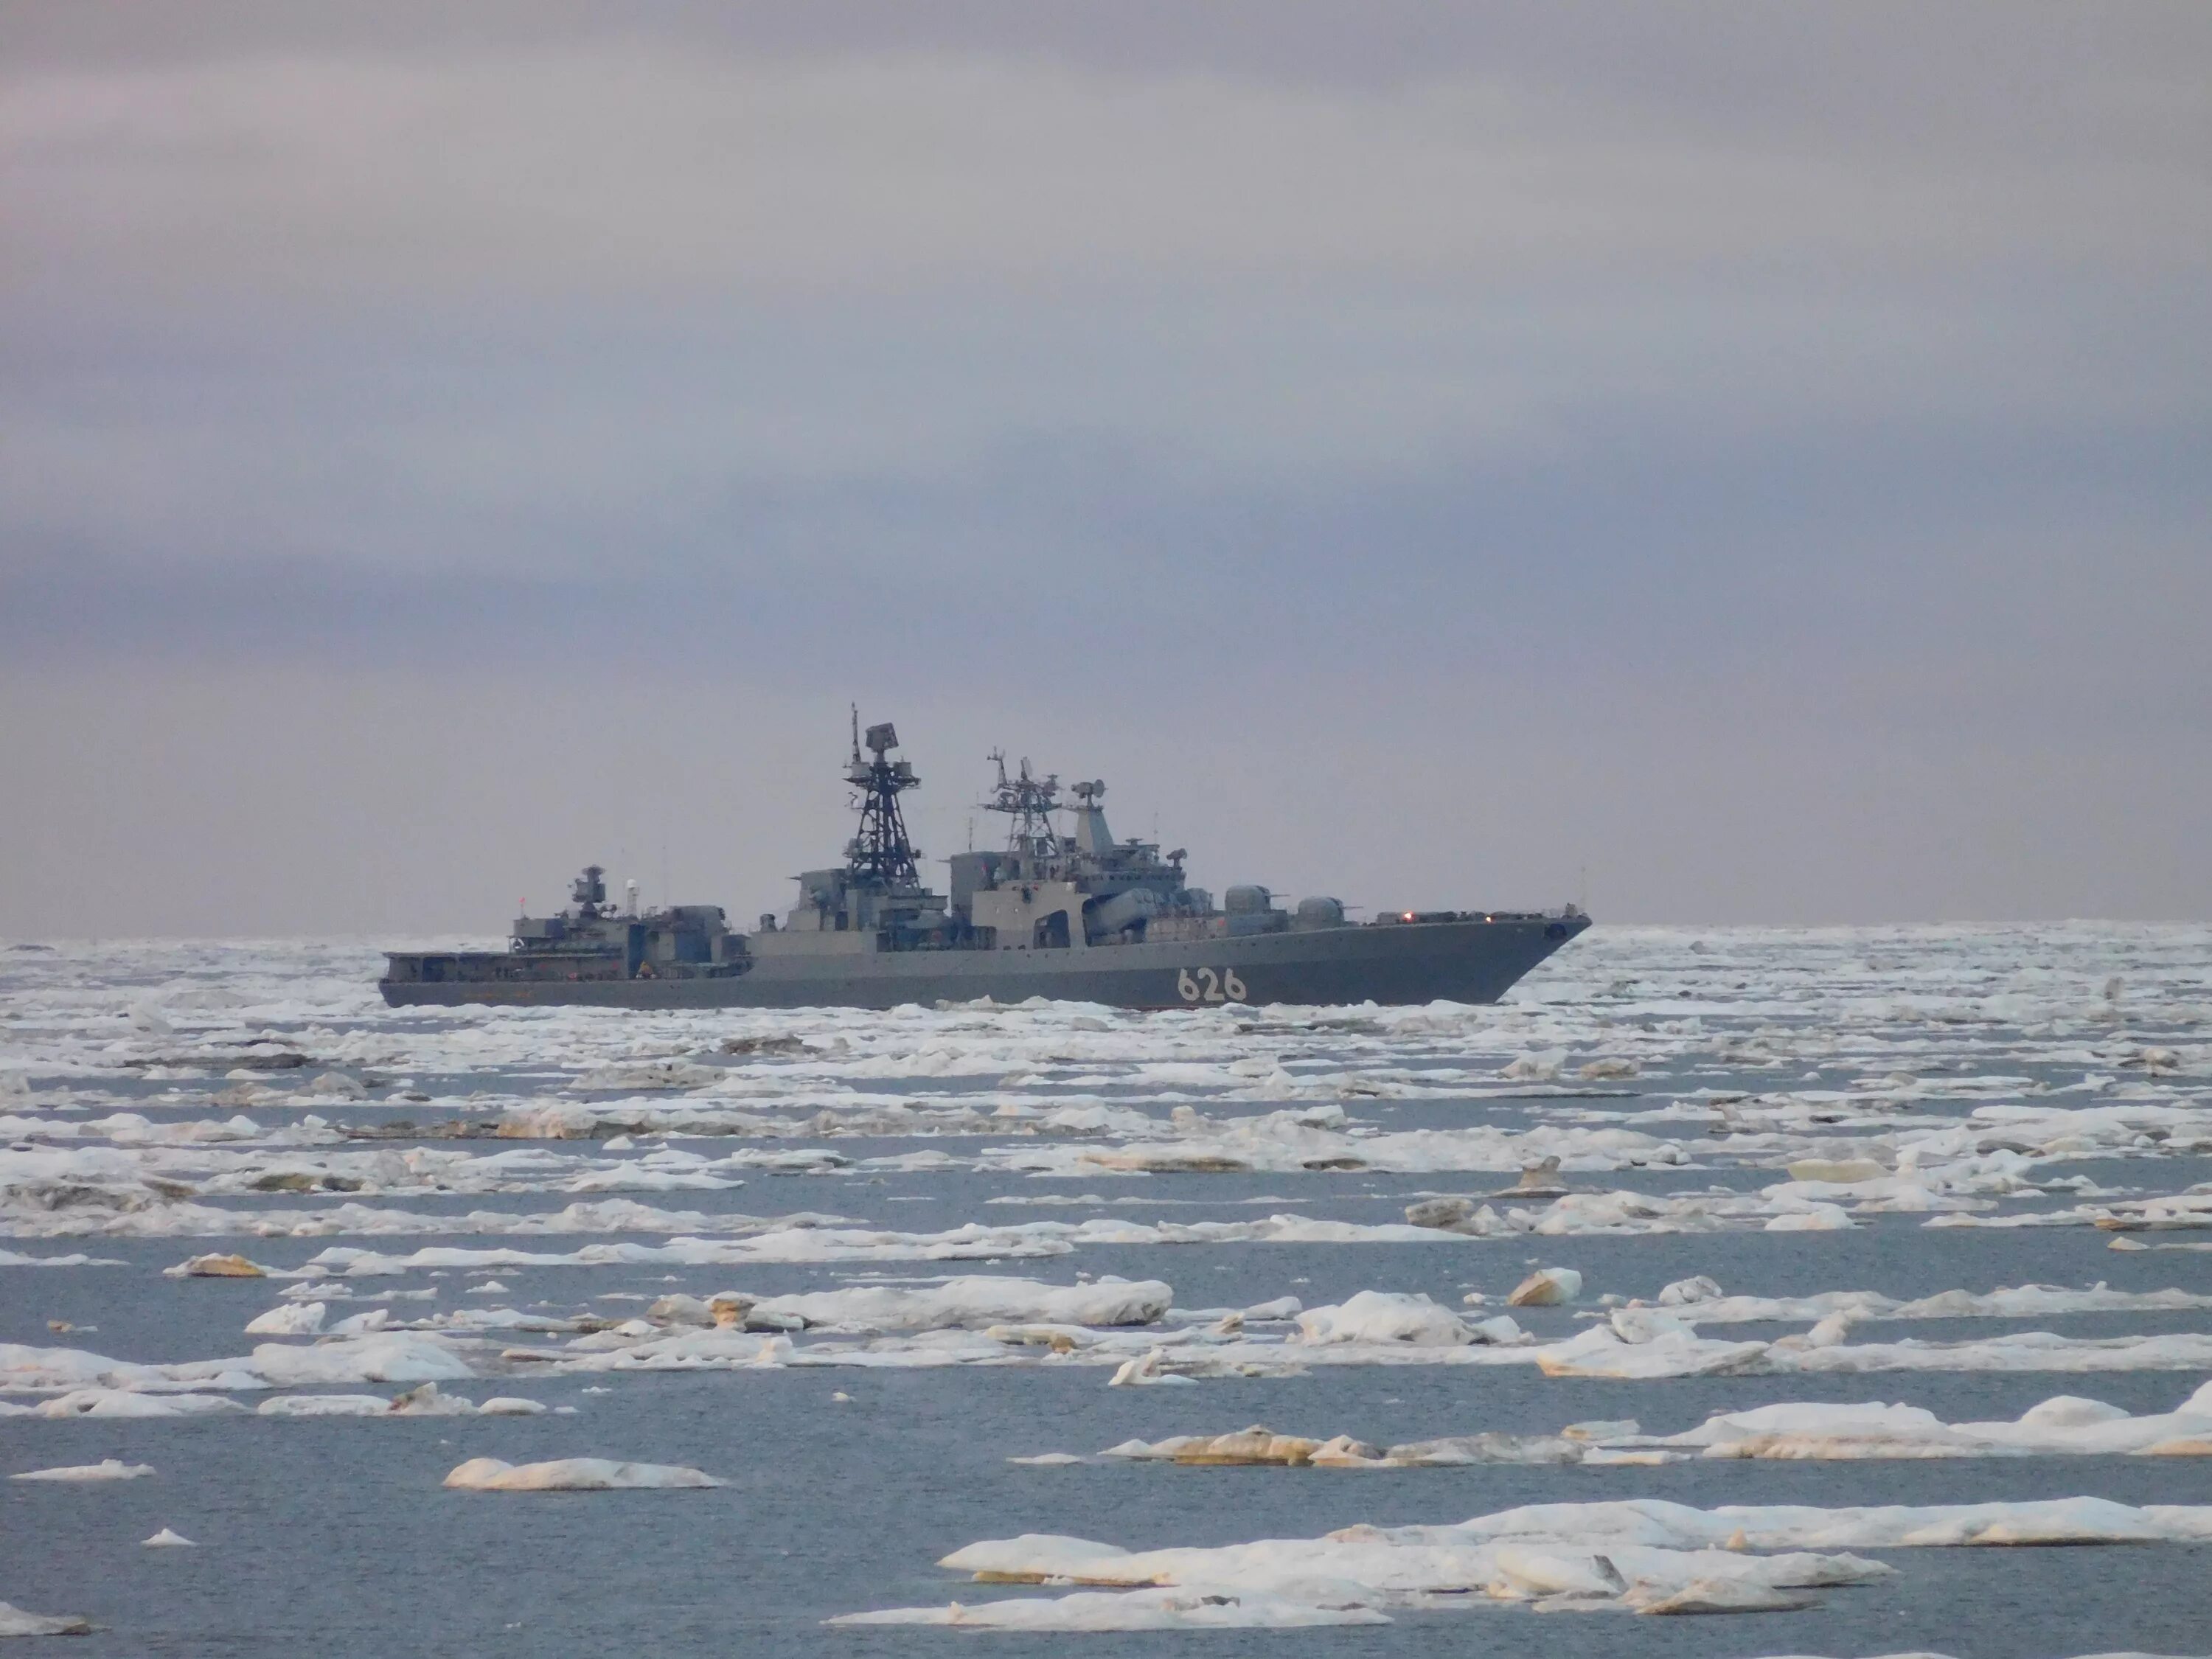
[336, 1537]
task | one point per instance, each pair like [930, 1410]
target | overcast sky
[1729, 462]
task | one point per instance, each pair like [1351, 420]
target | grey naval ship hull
[1472, 960]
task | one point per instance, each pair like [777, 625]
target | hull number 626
[1208, 986]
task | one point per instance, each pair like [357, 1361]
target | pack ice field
[1796, 1276]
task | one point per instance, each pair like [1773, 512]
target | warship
[1079, 916]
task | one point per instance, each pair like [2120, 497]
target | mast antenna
[880, 854]
[1030, 801]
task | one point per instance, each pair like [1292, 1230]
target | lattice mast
[880, 854]
[1032, 841]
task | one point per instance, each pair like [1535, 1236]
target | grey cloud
[635, 165]
[1754, 453]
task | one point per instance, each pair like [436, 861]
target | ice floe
[1642, 1555]
[1546, 1287]
[109, 1469]
[1136, 1610]
[974, 1301]
[1380, 1316]
[1642, 1348]
[1551, 1568]
[2065, 1425]
[122, 1402]
[14, 1621]
[289, 1319]
[1817, 1089]
[426, 1399]
[1702, 1301]
[575, 1475]
[389, 1356]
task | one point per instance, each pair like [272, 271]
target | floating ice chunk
[11, 1259]
[14, 1621]
[326, 1405]
[2025, 1301]
[169, 1540]
[216, 1266]
[1195, 1607]
[574, 1474]
[1047, 1460]
[1830, 1330]
[2069, 1411]
[638, 1075]
[1539, 1181]
[1843, 1171]
[422, 1400]
[129, 1402]
[1532, 1570]
[1643, 1540]
[1032, 1558]
[1455, 1450]
[1257, 1444]
[2021, 1351]
[389, 1356]
[1813, 1219]
[973, 1302]
[1634, 1324]
[2064, 1424]
[1555, 1569]
[294, 1319]
[1385, 1316]
[1601, 1351]
[1451, 1214]
[1607, 1428]
[362, 1324]
[1147, 1369]
[1767, 1527]
[790, 1245]
[1547, 1287]
[2036, 1300]
[109, 1469]
[1714, 1595]
[1535, 1068]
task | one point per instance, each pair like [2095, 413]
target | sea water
[2084, 1048]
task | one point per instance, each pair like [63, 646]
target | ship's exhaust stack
[1092, 835]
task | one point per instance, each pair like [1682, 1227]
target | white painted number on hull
[1209, 987]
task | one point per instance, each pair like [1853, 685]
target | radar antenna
[588, 892]
[880, 854]
[1031, 841]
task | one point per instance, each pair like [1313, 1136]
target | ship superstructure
[1076, 914]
